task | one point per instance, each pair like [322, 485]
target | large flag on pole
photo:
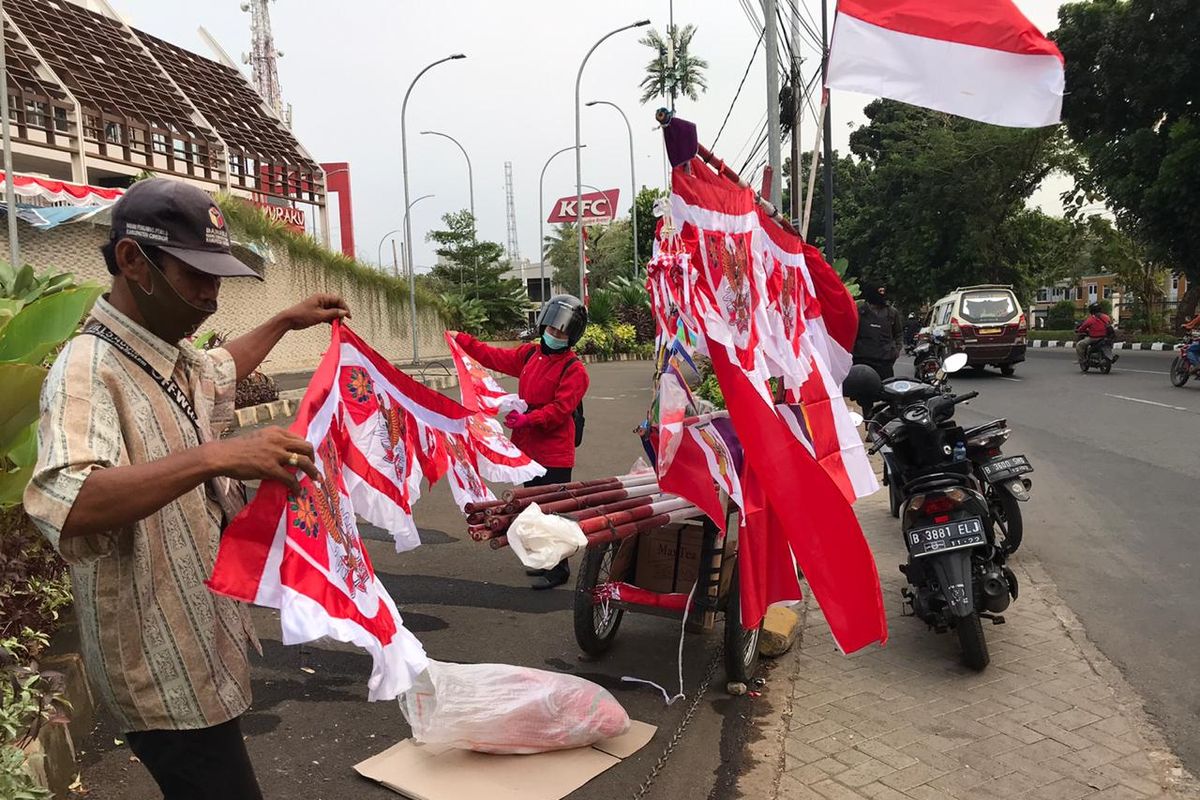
[982, 60]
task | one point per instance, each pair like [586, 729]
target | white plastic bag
[542, 540]
[499, 708]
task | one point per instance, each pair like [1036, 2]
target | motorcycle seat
[971, 433]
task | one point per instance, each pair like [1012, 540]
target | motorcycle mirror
[954, 362]
[862, 384]
[856, 418]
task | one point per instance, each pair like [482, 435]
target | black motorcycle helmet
[862, 384]
[565, 312]
[1095, 308]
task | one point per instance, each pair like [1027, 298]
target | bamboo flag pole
[816, 160]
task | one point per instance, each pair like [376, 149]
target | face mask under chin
[167, 314]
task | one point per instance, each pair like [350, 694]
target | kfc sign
[292, 217]
[598, 207]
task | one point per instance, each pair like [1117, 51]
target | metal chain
[709, 673]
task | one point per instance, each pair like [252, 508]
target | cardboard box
[425, 772]
[668, 558]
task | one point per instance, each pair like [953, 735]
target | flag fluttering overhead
[303, 554]
[982, 60]
[773, 318]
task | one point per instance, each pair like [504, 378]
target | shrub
[252, 390]
[624, 337]
[1061, 316]
[596, 341]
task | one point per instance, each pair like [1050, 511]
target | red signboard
[288, 215]
[598, 207]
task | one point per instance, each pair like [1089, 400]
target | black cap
[181, 220]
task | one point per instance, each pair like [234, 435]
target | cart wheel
[741, 645]
[595, 624]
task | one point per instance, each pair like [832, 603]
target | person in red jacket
[552, 381]
[1096, 328]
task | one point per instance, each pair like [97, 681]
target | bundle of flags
[378, 437]
[778, 326]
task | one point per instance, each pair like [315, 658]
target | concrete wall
[245, 303]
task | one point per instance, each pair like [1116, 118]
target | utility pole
[829, 251]
[10, 190]
[797, 156]
[774, 154]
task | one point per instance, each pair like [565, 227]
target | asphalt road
[310, 722]
[1113, 514]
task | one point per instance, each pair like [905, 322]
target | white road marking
[1145, 402]
[1144, 371]
[1014, 380]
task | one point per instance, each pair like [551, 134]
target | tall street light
[408, 251]
[632, 179]
[578, 158]
[542, 221]
[379, 249]
[412, 271]
[471, 191]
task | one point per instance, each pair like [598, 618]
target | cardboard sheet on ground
[444, 773]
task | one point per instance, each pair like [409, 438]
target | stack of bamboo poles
[606, 509]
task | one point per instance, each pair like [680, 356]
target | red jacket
[551, 389]
[1095, 326]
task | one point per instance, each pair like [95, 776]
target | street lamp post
[632, 180]
[408, 250]
[542, 221]
[379, 249]
[470, 190]
[578, 158]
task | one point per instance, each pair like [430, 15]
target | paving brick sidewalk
[1049, 718]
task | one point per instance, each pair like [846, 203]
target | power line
[760, 125]
[738, 93]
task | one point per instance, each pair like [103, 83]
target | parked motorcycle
[927, 356]
[1181, 367]
[1099, 355]
[956, 557]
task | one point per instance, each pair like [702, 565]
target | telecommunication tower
[513, 251]
[262, 58]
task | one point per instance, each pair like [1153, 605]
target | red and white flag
[303, 554]
[982, 60]
[496, 457]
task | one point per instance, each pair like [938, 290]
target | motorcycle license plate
[989, 331]
[941, 538]
[1005, 468]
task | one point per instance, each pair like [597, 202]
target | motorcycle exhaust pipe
[995, 591]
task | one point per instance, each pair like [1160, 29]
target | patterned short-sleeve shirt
[163, 651]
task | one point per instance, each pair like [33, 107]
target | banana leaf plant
[38, 314]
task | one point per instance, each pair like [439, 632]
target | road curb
[1041, 344]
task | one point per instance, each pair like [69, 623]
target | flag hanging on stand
[982, 60]
[303, 554]
[763, 305]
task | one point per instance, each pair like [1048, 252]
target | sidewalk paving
[1049, 718]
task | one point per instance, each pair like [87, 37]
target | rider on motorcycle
[1095, 329]
[1193, 351]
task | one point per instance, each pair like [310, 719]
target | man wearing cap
[133, 486]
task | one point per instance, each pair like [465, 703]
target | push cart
[605, 591]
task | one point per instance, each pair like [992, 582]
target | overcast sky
[347, 65]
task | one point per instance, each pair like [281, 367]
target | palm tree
[684, 78]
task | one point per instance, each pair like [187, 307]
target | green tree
[646, 221]
[466, 254]
[470, 281]
[560, 248]
[610, 248]
[937, 201]
[684, 78]
[1131, 106]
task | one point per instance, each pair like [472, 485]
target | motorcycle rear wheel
[1013, 524]
[972, 641]
[1179, 371]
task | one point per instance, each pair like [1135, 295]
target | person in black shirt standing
[880, 332]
